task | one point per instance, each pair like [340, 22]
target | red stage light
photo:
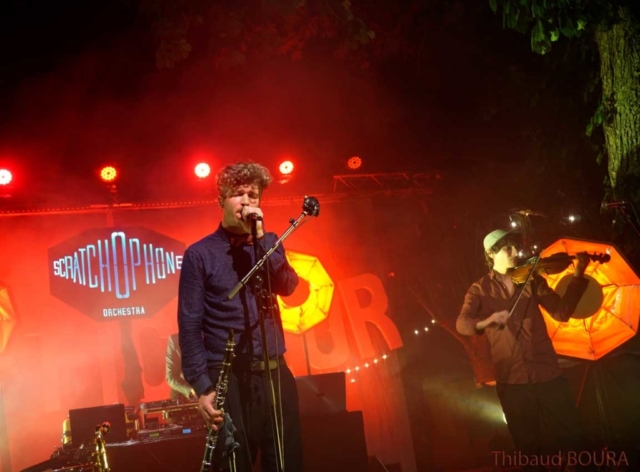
[108, 173]
[286, 167]
[354, 163]
[5, 177]
[202, 170]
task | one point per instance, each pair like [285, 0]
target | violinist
[534, 395]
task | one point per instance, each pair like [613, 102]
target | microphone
[311, 206]
[252, 217]
[607, 205]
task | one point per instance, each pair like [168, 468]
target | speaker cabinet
[334, 442]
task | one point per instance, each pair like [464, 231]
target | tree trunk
[619, 48]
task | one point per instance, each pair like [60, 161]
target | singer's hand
[247, 211]
[213, 418]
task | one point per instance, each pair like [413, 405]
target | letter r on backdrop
[374, 311]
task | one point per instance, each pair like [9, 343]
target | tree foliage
[233, 32]
[612, 28]
[548, 20]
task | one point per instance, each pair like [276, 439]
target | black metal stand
[265, 305]
[310, 207]
[628, 217]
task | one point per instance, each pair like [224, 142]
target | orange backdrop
[57, 358]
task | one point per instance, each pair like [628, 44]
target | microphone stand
[265, 301]
[264, 304]
[310, 207]
[628, 218]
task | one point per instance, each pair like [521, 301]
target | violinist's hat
[494, 236]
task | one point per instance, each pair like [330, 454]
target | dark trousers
[247, 403]
[542, 418]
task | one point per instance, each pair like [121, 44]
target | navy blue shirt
[211, 268]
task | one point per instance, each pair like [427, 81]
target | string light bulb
[366, 365]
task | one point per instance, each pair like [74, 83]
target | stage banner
[107, 273]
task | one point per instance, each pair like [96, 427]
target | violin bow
[524, 285]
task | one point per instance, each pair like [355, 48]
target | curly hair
[514, 239]
[242, 173]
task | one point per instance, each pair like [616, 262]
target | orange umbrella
[298, 318]
[608, 312]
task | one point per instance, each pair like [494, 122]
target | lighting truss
[345, 187]
[383, 182]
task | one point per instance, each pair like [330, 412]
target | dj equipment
[163, 413]
[169, 431]
[83, 422]
[162, 404]
[173, 432]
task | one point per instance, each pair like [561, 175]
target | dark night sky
[81, 89]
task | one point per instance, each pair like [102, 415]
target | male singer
[211, 268]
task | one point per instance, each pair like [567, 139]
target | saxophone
[218, 403]
[100, 462]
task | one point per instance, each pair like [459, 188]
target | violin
[554, 264]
